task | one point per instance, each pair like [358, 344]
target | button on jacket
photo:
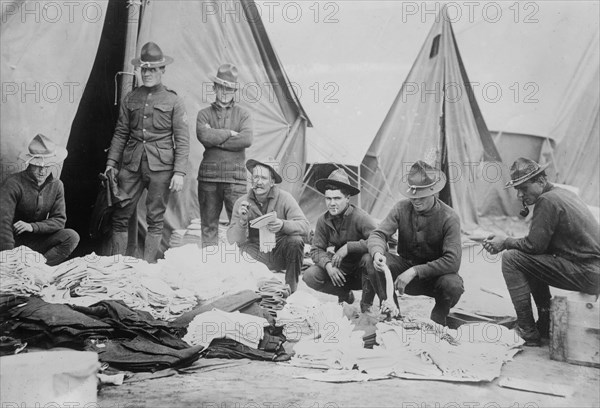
[41, 206]
[430, 241]
[152, 121]
[354, 230]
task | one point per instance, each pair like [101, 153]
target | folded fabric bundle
[229, 303]
[273, 293]
[216, 324]
[140, 355]
[125, 338]
[23, 271]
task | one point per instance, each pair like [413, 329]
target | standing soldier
[225, 131]
[149, 150]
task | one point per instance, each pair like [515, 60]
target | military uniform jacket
[152, 120]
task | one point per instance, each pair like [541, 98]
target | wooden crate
[575, 329]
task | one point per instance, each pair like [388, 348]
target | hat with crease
[337, 178]
[423, 180]
[43, 152]
[227, 76]
[151, 57]
[522, 170]
[269, 163]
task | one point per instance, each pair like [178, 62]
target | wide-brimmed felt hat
[151, 57]
[43, 152]
[522, 170]
[227, 75]
[337, 178]
[423, 180]
[270, 163]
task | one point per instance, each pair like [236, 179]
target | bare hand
[379, 261]
[234, 133]
[111, 169]
[21, 227]
[206, 125]
[336, 275]
[176, 183]
[339, 256]
[494, 244]
[404, 279]
[243, 211]
[388, 306]
[276, 225]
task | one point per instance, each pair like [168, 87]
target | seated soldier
[429, 245]
[33, 205]
[562, 249]
[345, 228]
[289, 226]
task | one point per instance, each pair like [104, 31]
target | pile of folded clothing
[124, 338]
[274, 294]
[23, 272]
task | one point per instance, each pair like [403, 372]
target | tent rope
[116, 85]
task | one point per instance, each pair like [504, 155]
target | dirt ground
[251, 384]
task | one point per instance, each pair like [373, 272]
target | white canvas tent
[520, 69]
[440, 123]
[199, 38]
[576, 129]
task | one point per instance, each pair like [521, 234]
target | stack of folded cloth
[23, 271]
[191, 235]
[273, 293]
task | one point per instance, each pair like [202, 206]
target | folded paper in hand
[266, 237]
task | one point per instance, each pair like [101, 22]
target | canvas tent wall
[435, 117]
[199, 39]
[42, 79]
[576, 129]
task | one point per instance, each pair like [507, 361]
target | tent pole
[133, 22]
[359, 185]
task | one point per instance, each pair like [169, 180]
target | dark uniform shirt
[353, 229]
[430, 240]
[21, 199]
[224, 155]
[153, 122]
[561, 225]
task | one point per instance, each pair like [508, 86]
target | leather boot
[526, 328]
[543, 323]
[118, 243]
[151, 247]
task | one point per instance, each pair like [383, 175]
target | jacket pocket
[161, 119]
[165, 151]
[135, 114]
[128, 151]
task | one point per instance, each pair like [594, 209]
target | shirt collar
[433, 209]
[154, 89]
[348, 212]
[270, 195]
[218, 107]
[33, 181]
